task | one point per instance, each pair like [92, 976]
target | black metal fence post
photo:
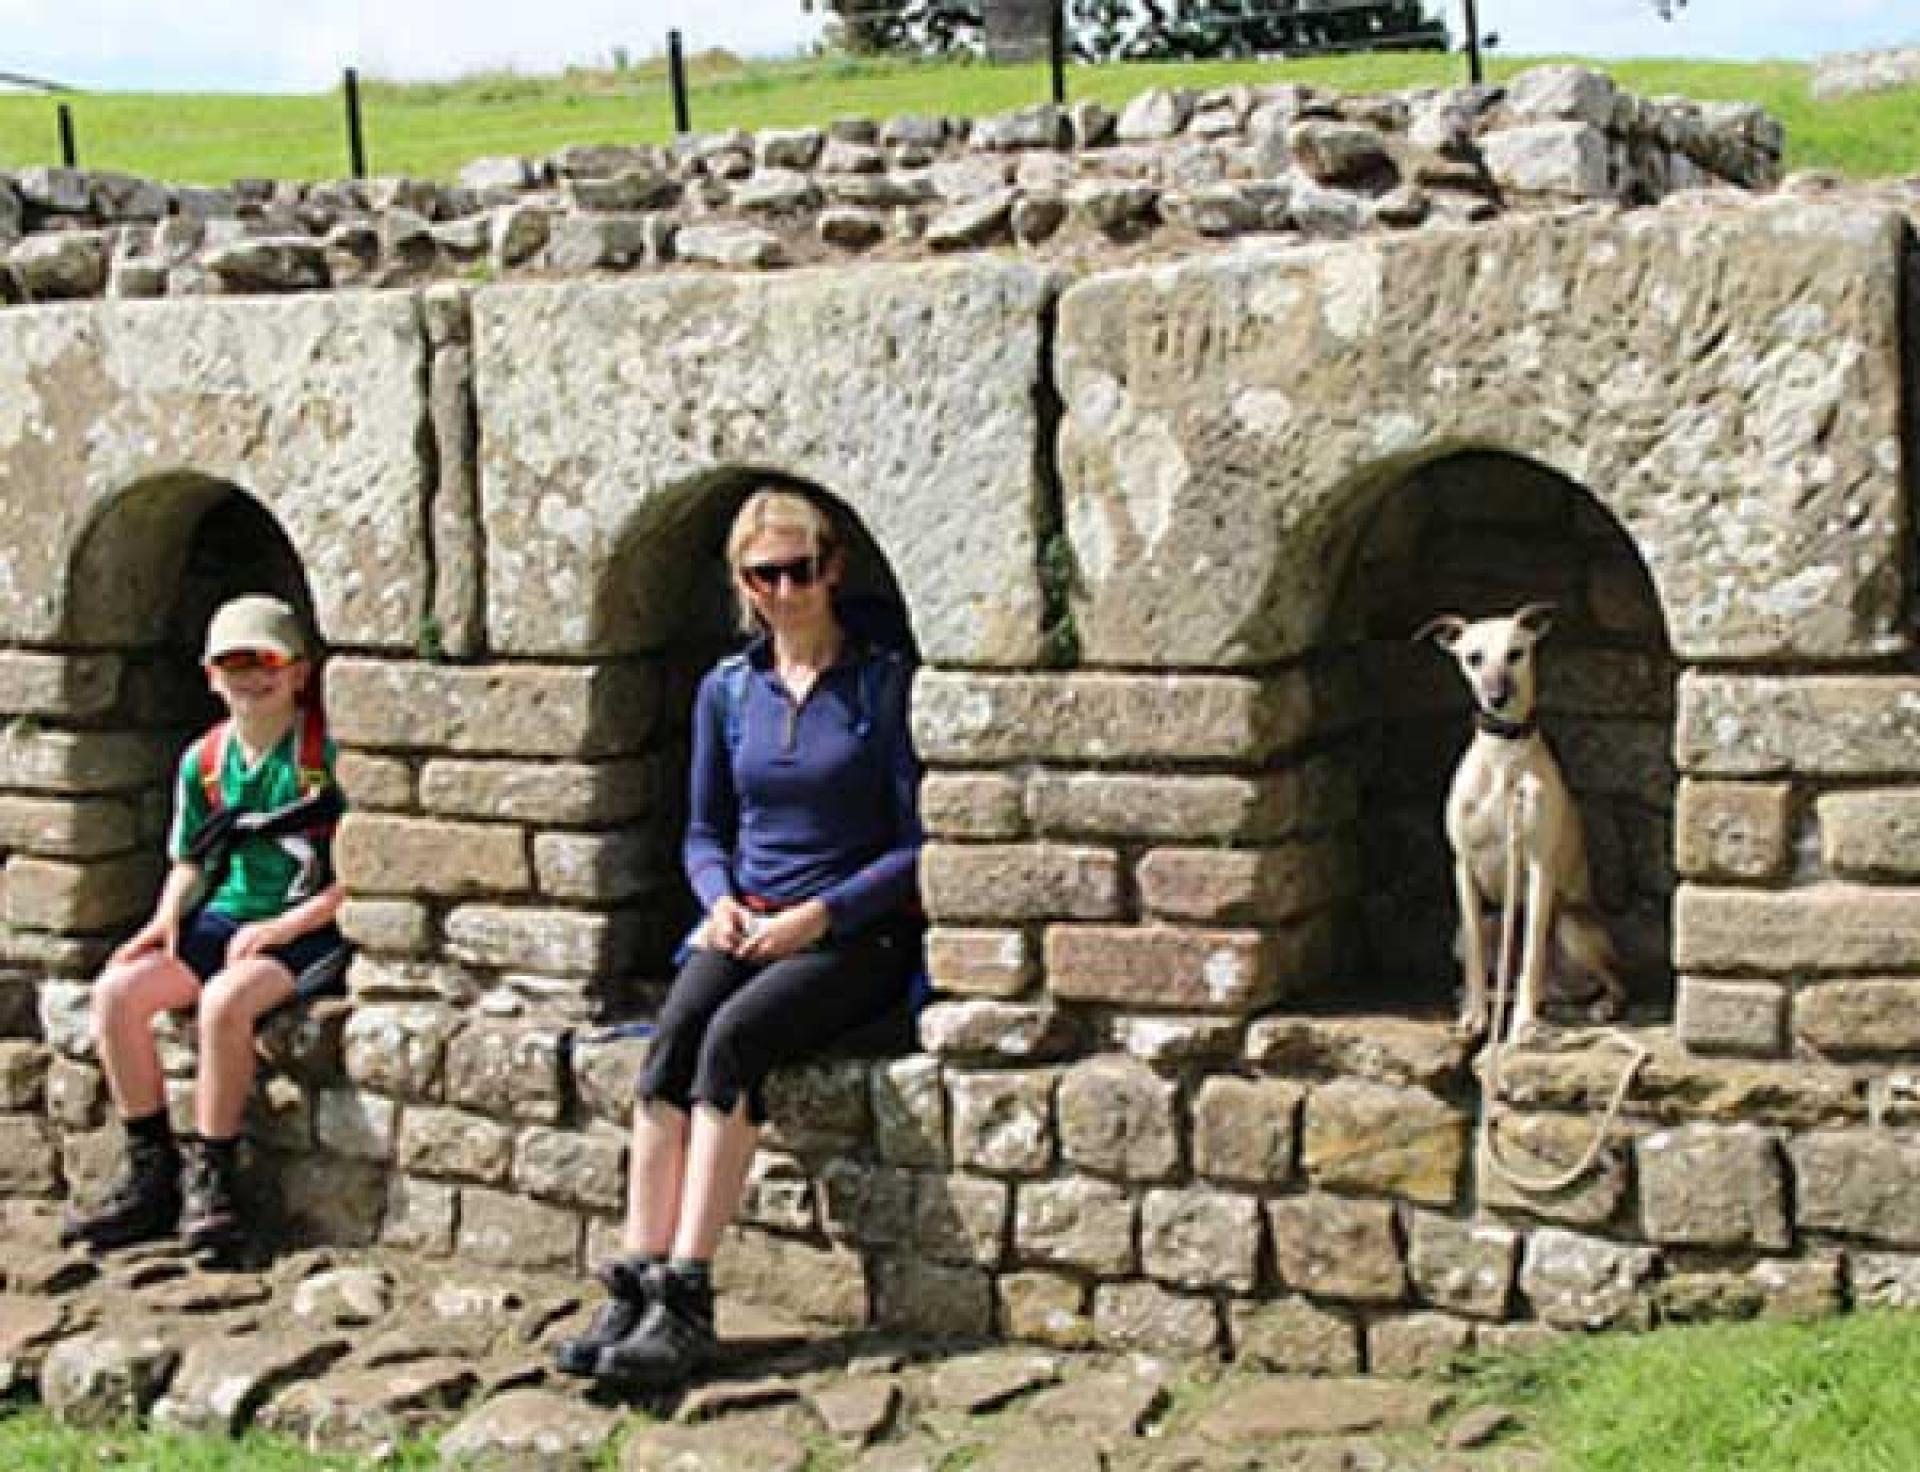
[1476, 73]
[68, 155]
[1057, 50]
[677, 79]
[356, 140]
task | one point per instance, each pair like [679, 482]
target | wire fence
[1224, 29]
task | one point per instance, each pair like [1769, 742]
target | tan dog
[1509, 777]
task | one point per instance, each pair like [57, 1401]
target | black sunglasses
[802, 572]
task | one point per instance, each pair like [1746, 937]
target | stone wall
[1161, 533]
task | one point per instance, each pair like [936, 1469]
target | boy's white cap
[255, 622]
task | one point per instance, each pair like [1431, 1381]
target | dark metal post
[356, 140]
[1475, 72]
[677, 78]
[68, 156]
[1057, 50]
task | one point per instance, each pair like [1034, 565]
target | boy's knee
[223, 1008]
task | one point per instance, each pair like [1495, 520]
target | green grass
[430, 129]
[32, 1441]
[1842, 1395]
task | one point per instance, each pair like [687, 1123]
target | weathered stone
[856, 1412]
[1885, 1279]
[546, 942]
[1334, 1247]
[1038, 125]
[65, 829]
[388, 927]
[363, 1409]
[351, 1122]
[1870, 834]
[1558, 158]
[1339, 153]
[520, 232]
[1294, 1337]
[538, 1430]
[987, 1381]
[909, 1112]
[398, 1050]
[1743, 1017]
[1812, 725]
[509, 1232]
[1576, 1282]
[29, 1162]
[1266, 1411]
[983, 1028]
[1862, 1184]
[606, 1072]
[1819, 928]
[1173, 1041]
[1200, 1238]
[59, 685]
[822, 1284]
[512, 710]
[449, 1143]
[419, 1216]
[70, 264]
[1045, 1308]
[1157, 113]
[990, 963]
[933, 1298]
[1037, 218]
[961, 1219]
[46, 894]
[1859, 1018]
[738, 246]
[1076, 1223]
[75, 1094]
[1534, 1149]
[345, 1296]
[819, 1105]
[1003, 1122]
[23, 1075]
[1733, 830]
[1193, 970]
[1372, 1137]
[1245, 886]
[573, 1168]
[103, 1379]
[1705, 1186]
[727, 1447]
[1117, 1118]
[36, 759]
[1120, 211]
[507, 1070]
[1463, 1267]
[963, 882]
[1417, 1344]
[375, 783]
[1244, 1130]
[393, 855]
[777, 192]
[27, 1327]
[973, 222]
[1175, 807]
[1144, 1316]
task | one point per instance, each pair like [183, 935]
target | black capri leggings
[728, 1023]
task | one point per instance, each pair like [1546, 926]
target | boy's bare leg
[229, 1007]
[126, 999]
[719, 1150]
[657, 1161]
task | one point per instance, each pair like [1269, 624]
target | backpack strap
[733, 699]
[210, 760]
[312, 755]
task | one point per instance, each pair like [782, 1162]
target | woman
[802, 846]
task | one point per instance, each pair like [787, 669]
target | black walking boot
[673, 1340]
[209, 1217]
[632, 1284]
[143, 1203]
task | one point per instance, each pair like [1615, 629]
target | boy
[244, 916]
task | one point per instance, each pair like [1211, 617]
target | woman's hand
[254, 939]
[726, 926]
[786, 933]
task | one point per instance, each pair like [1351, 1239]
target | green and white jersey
[267, 876]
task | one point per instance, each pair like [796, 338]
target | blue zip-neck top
[807, 807]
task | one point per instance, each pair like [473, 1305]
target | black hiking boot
[672, 1342]
[209, 1217]
[632, 1284]
[143, 1204]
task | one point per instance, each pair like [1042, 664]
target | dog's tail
[1589, 969]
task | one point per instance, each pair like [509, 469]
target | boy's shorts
[203, 946]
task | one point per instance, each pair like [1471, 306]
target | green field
[431, 129]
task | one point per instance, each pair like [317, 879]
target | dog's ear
[1444, 630]
[1535, 618]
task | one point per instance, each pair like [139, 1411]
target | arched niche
[1479, 533]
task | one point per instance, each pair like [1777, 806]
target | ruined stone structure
[1161, 533]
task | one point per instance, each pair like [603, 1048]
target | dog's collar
[1506, 730]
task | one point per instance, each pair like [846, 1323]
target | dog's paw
[1473, 1021]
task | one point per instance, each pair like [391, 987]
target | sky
[301, 45]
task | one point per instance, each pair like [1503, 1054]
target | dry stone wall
[1145, 523]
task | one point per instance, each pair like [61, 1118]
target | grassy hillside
[430, 129]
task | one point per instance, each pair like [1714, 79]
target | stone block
[508, 1070]
[1201, 1237]
[1173, 807]
[961, 1218]
[1576, 1282]
[1163, 968]
[821, 1284]
[1144, 1316]
[1735, 831]
[586, 1168]
[510, 1232]
[1387, 1050]
[819, 1106]
[1363, 1136]
[779, 1194]
[47, 894]
[606, 1073]
[376, 784]
[1737, 1017]
[1857, 1019]
[1045, 1308]
[981, 962]
[420, 1216]
[989, 882]
[1244, 1130]
[546, 942]
[494, 710]
[1885, 1279]
[1855, 726]
[106, 1379]
[1171, 1042]
[29, 1161]
[447, 1143]
[23, 1075]
[1871, 835]
[332, 1199]
[968, 718]
[1293, 1336]
[920, 1297]
[74, 686]
[1710, 1186]
[972, 805]
[1416, 1345]
[1244, 886]
[350, 1122]
[1076, 1223]
[909, 1112]
[985, 1029]
[1858, 1183]
[79, 763]
[1541, 1147]
[1567, 159]
[379, 854]
[76, 1094]
[1338, 1247]
[390, 927]
[531, 1428]
[547, 792]
[1463, 1267]
[66, 828]
[1820, 928]
[603, 868]
[1003, 1121]
[1119, 1118]
[398, 1051]
[866, 1204]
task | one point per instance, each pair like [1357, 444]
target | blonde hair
[773, 510]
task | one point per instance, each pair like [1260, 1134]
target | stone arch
[1480, 532]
